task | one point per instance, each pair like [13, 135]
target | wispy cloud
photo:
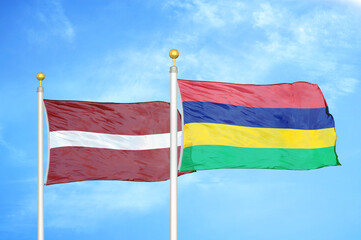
[210, 13]
[309, 44]
[356, 3]
[270, 43]
[267, 16]
[84, 205]
[336, 88]
[81, 205]
[52, 21]
[136, 75]
[221, 187]
[11, 150]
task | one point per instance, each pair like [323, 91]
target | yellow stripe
[249, 137]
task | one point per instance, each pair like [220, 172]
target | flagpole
[173, 148]
[40, 76]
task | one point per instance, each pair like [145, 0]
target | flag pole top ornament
[173, 54]
[40, 76]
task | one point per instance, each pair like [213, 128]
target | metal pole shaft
[40, 91]
[173, 155]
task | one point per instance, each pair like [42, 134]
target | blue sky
[118, 51]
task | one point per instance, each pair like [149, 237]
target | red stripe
[72, 164]
[287, 95]
[113, 118]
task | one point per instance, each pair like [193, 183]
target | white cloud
[335, 88]
[211, 13]
[348, 85]
[53, 22]
[14, 152]
[353, 2]
[135, 75]
[314, 44]
[82, 206]
[267, 16]
[85, 204]
[223, 68]
[216, 186]
[123, 75]
[306, 41]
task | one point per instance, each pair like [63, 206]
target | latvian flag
[108, 141]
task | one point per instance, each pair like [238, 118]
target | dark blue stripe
[295, 118]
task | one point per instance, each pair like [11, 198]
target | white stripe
[110, 141]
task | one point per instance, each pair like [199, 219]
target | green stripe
[202, 157]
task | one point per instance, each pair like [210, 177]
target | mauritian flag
[280, 126]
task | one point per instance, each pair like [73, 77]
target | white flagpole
[173, 148]
[40, 76]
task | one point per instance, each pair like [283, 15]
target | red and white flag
[108, 141]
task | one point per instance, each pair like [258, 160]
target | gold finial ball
[40, 76]
[173, 53]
